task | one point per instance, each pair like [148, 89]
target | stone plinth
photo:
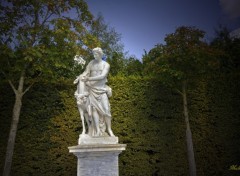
[97, 159]
[86, 139]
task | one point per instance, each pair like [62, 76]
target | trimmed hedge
[146, 116]
[215, 106]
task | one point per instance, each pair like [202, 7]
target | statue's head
[98, 53]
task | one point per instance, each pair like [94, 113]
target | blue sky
[145, 23]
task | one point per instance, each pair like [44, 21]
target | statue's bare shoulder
[106, 65]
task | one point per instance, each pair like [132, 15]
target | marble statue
[92, 97]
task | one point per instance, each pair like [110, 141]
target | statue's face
[97, 55]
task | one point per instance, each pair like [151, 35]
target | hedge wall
[146, 116]
[215, 106]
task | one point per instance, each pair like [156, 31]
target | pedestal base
[97, 159]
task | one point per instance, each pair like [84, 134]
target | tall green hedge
[146, 116]
[215, 106]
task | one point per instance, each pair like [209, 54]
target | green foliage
[183, 51]
[43, 37]
[6, 101]
[109, 38]
[117, 63]
[43, 133]
[133, 67]
[214, 104]
[150, 58]
[229, 59]
[125, 66]
[148, 123]
[146, 116]
[184, 57]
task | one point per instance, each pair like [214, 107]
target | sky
[145, 23]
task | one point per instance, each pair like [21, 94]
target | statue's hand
[76, 80]
[84, 79]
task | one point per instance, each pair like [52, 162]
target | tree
[184, 58]
[110, 41]
[117, 63]
[150, 58]
[38, 40]
[230, 58]
[108, 36]
[134, 66]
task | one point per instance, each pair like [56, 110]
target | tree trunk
[13, 130]
[190, 151]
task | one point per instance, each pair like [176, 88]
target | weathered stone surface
[97, 159]
[86, 139]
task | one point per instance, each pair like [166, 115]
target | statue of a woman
[96, 93]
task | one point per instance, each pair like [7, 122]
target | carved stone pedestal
[97, 159]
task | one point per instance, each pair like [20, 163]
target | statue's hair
[99, 50]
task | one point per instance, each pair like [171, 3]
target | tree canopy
[229, 46]
[184, 56]
[41, 37]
